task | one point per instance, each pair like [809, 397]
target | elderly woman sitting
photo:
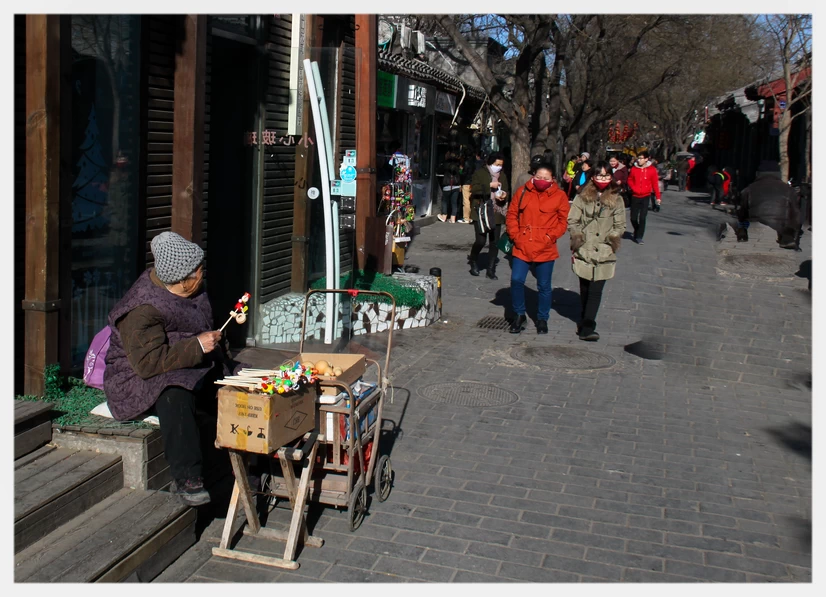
[164, 357]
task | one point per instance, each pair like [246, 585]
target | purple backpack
[95, 361]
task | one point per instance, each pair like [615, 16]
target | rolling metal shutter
[19, 195]
[160, 107]
[346, 121]
[159, 85]
[279, 166]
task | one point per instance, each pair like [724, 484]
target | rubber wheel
[383, 479]
[357, 507]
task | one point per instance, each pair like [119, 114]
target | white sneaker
[441, 218]
[462, 221]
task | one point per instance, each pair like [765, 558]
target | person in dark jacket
[583, 176]
[716, 181]
[489, 184]
[773, 203]
[682, 173]
[450, 173]
[164, 356]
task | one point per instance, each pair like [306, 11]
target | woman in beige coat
[596, 223]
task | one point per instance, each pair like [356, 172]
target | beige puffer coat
[596, 223]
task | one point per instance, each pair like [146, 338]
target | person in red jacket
[691, 163]
[643, 181]
[537, 218]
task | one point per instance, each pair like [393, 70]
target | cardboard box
[352, 368]
[262, 423]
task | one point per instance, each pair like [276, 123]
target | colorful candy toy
[240, 311]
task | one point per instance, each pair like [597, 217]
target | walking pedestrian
[596, 223]
[682, 173]
[715, 180]
[449, 170]
[619, 175]
[468, 168]
[643, 182]
[537, 218]
[489, 191]
[583, 176]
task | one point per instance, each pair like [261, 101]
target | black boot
[588, 331]
[541, 327]
[518, 324]
[491, 273]
[474, 269]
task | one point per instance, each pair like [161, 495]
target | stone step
[53, 485]
[132, 535]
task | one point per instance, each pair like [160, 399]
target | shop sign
[272, 138]
[445, 103]
[386, 85]
[416, 96]
[782, 104]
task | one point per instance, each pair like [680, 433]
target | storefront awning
[421, 71]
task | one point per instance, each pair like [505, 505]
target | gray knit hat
[175, 257]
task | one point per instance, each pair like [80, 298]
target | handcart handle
[353, 293]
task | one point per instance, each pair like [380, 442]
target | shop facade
[196, 124]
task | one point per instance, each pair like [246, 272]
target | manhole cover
[468, 394]
[759, 264]
[562, 357]
[491, 322]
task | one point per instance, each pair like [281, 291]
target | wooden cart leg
[298, 523]
[289, 475]
[239, 468]
[232, 512]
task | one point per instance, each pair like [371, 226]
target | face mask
[601, 185]
[495, 169]
[542, 185]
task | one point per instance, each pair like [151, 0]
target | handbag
[485, 220]
[505, 243]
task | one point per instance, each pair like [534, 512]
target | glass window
[104, 162]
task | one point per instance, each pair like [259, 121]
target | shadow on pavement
[794, 436]
[564, 302]
[805, 271]
[803, 531]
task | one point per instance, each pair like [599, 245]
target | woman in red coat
[537, 218]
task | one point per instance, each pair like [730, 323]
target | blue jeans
[542, 273]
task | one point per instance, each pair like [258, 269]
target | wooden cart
[332, 469]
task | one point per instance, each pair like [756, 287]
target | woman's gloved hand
[577, 240]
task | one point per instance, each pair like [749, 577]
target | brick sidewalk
[693, 467]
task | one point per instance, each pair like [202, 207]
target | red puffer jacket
[644, 180]
[535, 221]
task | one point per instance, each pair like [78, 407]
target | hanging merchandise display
[399, 193]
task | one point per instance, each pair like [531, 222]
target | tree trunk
[785, 126]
[520, 151]
[809, 145]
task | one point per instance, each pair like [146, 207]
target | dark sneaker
[640, 242]
[541, 327]
[518, 324]
[190, 491]
[589, 335]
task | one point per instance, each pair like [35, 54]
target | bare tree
[792, 40]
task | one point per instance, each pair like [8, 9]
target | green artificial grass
[74, 399]
[406, 295]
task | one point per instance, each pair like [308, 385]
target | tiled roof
[421, 71]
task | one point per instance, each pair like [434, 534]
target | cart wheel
[383, 479]
[358, 505]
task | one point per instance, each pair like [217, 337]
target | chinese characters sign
[272, 138]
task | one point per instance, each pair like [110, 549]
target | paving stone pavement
[693, 467]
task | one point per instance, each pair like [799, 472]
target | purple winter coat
[128, 395]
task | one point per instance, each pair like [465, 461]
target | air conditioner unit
[404, 37]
